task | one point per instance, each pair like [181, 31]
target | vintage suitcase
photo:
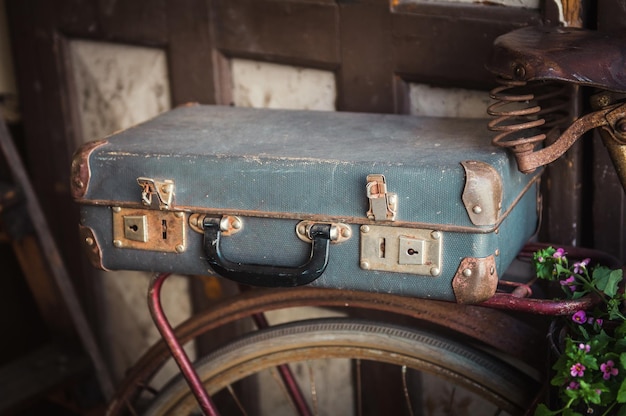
[422, 207]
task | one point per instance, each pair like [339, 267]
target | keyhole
[134, 227]
[164, 228]
[411, 252]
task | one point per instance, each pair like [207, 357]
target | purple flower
[559, 253]
[569, 283]
[579, 317]
[577, 370]
[599, 321]
[581, 266]
[573, 385]
[584, 347]
[608, 369]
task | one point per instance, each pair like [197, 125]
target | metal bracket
[383, 204]
[339, 232]
[229, 224]
[476, 279]
[164, 190]
[483, 192]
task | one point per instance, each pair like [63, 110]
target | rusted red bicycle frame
[516, 300]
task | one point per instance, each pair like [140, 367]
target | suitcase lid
[307, 165]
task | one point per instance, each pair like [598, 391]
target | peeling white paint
[117, 86]
[429, 101]
[266, 85]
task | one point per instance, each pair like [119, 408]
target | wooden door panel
[298, 33]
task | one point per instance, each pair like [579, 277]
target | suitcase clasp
[383, 204]
[164, 190]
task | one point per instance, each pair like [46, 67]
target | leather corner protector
[92, 248]
[81, 171]
[476, 279]
[483, 192]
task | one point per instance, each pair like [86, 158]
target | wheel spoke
[236, 399]
[313, 389]
[407, 398]
[359, 396]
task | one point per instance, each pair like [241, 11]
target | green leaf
[621, 393]
[601, 276]
[542, 410]
[622, 359]
[562, 270]
[589, 362]
[607, 280]
[583, 331]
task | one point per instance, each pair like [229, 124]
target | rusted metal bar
[175, 347]
[539, 306]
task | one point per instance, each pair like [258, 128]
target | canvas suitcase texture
[422, 207]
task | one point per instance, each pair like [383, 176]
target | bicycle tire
[496, 381]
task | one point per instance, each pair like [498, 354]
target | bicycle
[505, 372]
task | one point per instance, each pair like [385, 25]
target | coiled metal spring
[525, 112]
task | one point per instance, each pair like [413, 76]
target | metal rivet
[237, 224]
[178, 214]
[346, 232]
[117, 209]
[365, 229]
[435, 271]
[519, 72]
[492, 270]
[180, 248]
[497, 252]
[89, 241]
[467, 272]
[436, 235]
[365, 265]
[117, 243]
[477, 209]
[603, 100]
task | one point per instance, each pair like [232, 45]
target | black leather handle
[267, 275]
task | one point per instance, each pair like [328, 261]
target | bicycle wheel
[498, 385]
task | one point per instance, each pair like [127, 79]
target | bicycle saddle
[535, 66]
[572, 55]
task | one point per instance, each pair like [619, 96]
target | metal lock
[147, 229]
[401, 250]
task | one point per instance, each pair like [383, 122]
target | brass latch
[383, 204]
[164, 190]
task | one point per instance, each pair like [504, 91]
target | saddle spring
[526, 113]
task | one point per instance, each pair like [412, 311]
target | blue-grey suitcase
[422, 207]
